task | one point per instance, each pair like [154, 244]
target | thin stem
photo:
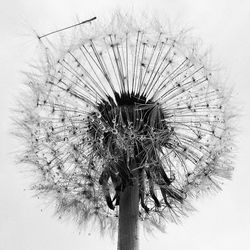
[53, 32]
[128, 216]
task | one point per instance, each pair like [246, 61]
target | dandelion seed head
[119, 95]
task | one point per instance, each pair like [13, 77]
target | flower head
[120, 96]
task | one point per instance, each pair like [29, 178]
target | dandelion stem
[128, 216]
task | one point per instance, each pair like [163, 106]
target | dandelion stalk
[128, 122]
[128, 237]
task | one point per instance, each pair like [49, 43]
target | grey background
[222, 221]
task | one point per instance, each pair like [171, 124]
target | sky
[222, 222]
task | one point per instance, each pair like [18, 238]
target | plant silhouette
[125, 108]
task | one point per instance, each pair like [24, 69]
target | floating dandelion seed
[123, 107]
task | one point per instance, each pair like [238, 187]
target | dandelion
[127, 123]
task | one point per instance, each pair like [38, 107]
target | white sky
[223, 221]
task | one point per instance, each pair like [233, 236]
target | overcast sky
[222, 222]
